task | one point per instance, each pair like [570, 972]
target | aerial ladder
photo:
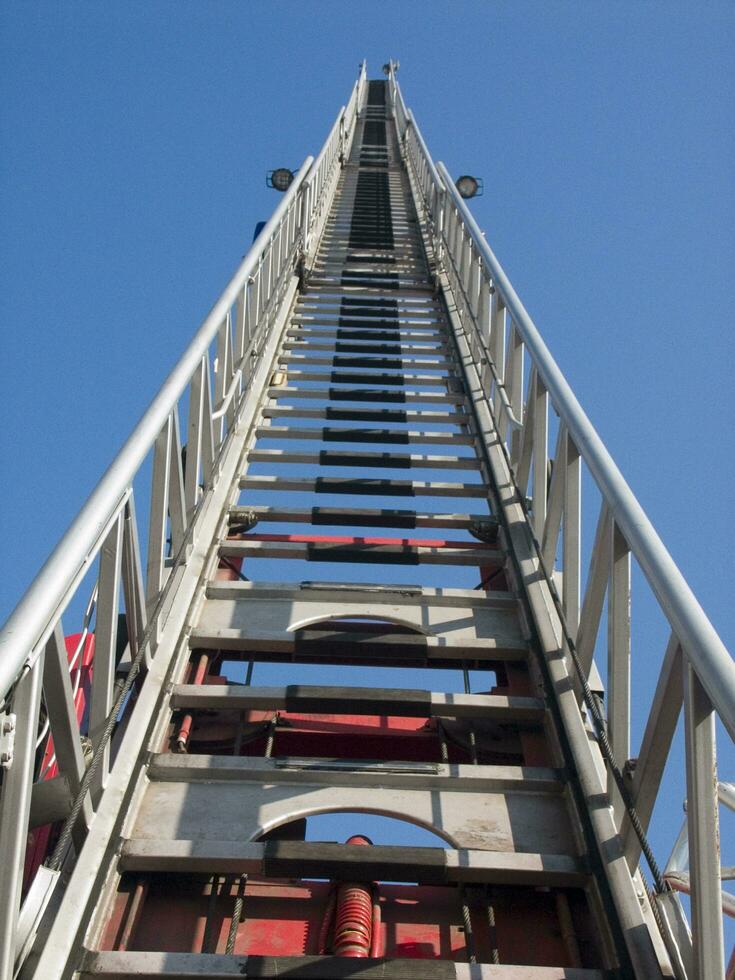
[366, 464]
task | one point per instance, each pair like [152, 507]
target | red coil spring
[353, 925]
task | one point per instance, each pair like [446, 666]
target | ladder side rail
[361, 87]
[325, 171]
[396, 100]
[220, 361]
[706, 658]
[706, 652]
[624, 533]
[144, 715]
[102, 542]
[32, 621]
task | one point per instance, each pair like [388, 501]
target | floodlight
[280, 179]
[469, 186]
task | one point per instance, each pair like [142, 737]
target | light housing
[280, 179]
[469, 186]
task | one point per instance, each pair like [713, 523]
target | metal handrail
[229, 352]
[697, 674]
[704, 648]
[30, 623]
[24, 632]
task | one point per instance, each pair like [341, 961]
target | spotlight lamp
[280, 179]
[469, 186]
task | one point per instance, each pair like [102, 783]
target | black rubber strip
[391, 363]
[389, 461]
[372, 259]
[365, 435]
[354, 301]
[325, 516]
[365, 414]
[374, 324]
[369, 488]
[353, 378]
[352, 334]
[365, 348]
[356, 555]
[365, 395]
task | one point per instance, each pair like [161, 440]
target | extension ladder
[363, 520]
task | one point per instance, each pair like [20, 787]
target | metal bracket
[486, 531]
[7, 740]
[629, 770]
[243, 522]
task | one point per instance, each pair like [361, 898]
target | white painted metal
[703, 646]
[188, 507]
[623, 530]
[244, 325]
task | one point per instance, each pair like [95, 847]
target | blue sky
[135, 140]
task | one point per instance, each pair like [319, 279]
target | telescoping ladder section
[348, 609]
[366, 404]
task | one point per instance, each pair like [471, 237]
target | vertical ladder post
[15, 808]
[704, 829]
[618, 659]
[105, 649]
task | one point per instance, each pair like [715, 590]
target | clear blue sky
[135, 140]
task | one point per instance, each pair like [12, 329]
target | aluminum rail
[697, 675]
[30, 624]
[26, 629]
[703, 646]
[214, 389]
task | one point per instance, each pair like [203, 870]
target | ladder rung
[317, 326]
[405, 350]
[357, 378]
[311, 859]
[365, 395]
[370, 363]
[376, 336]
[440, 365]
[349, 517]
[406, 291]
[340, 646]
[368, 259]
[303, 698]
[361, 593]
[366, 414]
[210, 966]
[348, 434]
[366, 319]
[362, 306]
[346, 306]
[364, 487]
[462, 777]
[392, 461]
[372, 551]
